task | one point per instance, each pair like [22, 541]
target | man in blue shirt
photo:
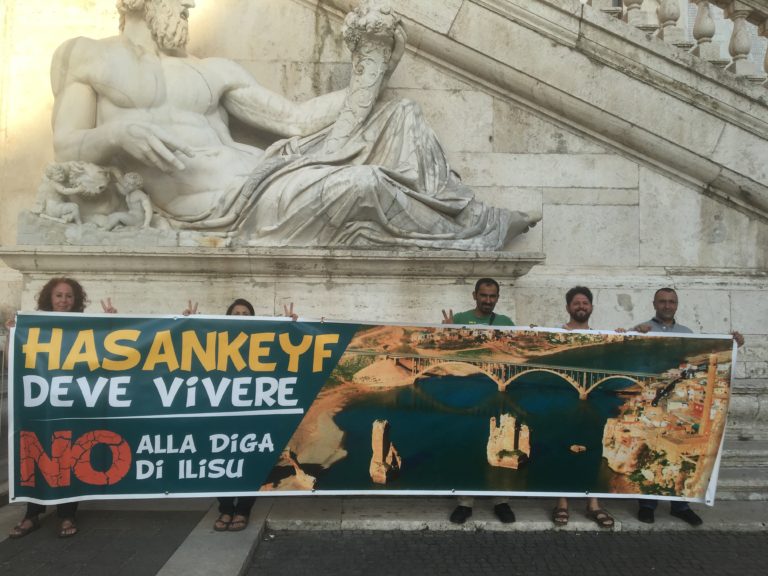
[665, 304]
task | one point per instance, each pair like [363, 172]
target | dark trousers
[62, 510]
[674, 506]
[236, 505]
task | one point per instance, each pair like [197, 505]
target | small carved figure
[139, 206]
[51, 195]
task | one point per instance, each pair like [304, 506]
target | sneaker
[460, 514]
[645, 515]
[504, 513]
[688, 515]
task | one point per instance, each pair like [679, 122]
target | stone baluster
[762, 30]
[668, 13]
[741, 42]
[639, 18]
[610, 7]
[703, 32]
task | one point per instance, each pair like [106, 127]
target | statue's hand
[398, 49]
[152, 145]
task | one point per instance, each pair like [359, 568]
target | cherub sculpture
[52, 194]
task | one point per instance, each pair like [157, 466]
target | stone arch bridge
[583, 380]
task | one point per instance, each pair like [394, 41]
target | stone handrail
[663, 22]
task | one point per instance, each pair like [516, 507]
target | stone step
[749, 453]
[743, 483]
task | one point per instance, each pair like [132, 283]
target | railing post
[741, 42]
[610, 7]
[703, 32]
[633, 8]
[762, 30]
[668, 13]
[642, 19]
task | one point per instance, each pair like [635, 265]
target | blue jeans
[674, 506]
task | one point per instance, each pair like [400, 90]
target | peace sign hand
[107, 307]
[288, 311]
[190, 309]
[448, 318]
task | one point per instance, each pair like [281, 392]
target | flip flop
[601, 517]
[19, 532]
[222, 525]
[238, 523]
[68, 528]
[560, 516]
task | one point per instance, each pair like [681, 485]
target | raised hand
[288, 311]
[107, 306]
[448, 317]
[190, 309]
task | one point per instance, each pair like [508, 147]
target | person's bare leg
[560, 513]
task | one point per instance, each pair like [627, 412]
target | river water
[440, 425]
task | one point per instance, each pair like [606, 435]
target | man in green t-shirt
[486, 296]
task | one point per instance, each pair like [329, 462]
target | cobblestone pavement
[109, 543]
[394, 553]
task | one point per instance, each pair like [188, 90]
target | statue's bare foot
[534, 218]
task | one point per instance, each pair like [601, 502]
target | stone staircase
[744, 470]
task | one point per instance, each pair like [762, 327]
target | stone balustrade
[662, 18]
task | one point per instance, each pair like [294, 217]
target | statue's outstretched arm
[67, 191]
[258, 106]
[262, 108]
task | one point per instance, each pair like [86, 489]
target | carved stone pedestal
[394, 286]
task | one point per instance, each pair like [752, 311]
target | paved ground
[123, 543]
[480, 553]
[382, 536]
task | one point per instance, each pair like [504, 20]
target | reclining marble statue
[350, 170]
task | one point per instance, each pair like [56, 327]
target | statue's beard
[169, 30]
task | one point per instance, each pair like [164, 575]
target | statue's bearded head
[167, 19]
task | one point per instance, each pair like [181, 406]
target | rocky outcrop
[509, 443]
[297, 479]
[385, 462]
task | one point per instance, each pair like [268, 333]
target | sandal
[68, 528]
[19, 531]
[239, 522]
[560, 516]
[222, 522]
[601, 517]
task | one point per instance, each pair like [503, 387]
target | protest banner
[107, 406]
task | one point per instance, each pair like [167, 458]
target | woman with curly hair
[58, 295]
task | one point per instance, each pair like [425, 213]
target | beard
[169, 30]
[581, 315]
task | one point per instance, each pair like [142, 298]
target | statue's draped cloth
[389, 185]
